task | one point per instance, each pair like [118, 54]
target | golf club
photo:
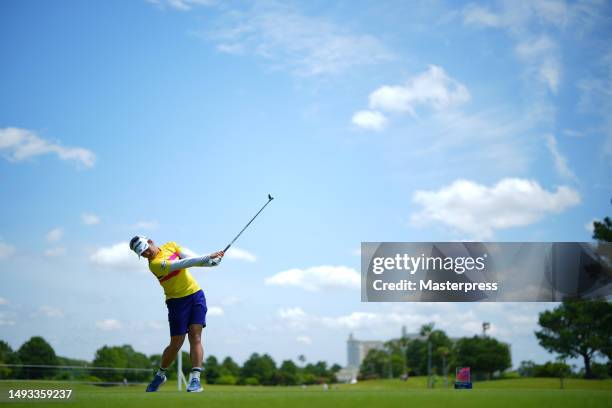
[270, 198]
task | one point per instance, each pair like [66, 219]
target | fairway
[385, 393]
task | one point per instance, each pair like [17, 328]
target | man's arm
[189, 262]
[189, 259]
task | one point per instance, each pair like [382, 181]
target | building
[357, 350]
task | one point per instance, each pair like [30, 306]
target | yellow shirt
[176, 284]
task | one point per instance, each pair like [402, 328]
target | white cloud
[118, 256]
[109, 324]
[215, 311]
[517, 16]
[479, 210]
[525, 21]
[475, 15]
[433, 89]
[317, 277]
[523, 320]
[560, 160]
[156, 325]
[590, 227]
[307, 46]
[502, 139]
[21, 144]
[4, 301]
[535, 48]
[240, 254]
[356, 320]
[574, 133]
[145, 225]
[90, 219]
[6, 250]
[53, 252]
[55, 235]
[295, 318]
[181, 5]
[360, 320]
[371, 120]
[230, 301]
[50, 311]
[596, 98]
[543, 60]
[304, 340]
[6, 321]
[291, 313]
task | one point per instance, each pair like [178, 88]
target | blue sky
[420, 121]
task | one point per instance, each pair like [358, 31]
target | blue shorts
[185, 311]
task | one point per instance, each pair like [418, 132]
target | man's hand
[215, 257]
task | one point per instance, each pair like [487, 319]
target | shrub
[251, 381]
[231, 380]
[599, 371]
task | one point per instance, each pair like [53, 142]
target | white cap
[139, 244]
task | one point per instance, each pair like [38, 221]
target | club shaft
[245, 227]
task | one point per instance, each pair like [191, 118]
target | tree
[426, 329]
[577, 329]
[416, 357]
[552, 369]
[37, 351]
[397, 365]
[121, 357]
[444, 352]
[136, 359]
[288, 373]
[440, 346]
[416, 352]
[318, 373]
[109, 357]
[7, 356]
[602, 231]
[375, 364]
[230, 367]
[484, 355]
[527, 368]
[212, 370]
[261, 368]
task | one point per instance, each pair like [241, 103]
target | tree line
[433, 352]
[133, 366]
[574, 329]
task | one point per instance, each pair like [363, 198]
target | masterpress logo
[484, 271]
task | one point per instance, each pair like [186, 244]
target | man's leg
[171, 351]
[195, 345]
[197, 353]
[167, 358]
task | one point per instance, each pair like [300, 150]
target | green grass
[515, 393]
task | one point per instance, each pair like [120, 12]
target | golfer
[185, 300]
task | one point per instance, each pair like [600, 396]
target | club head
[270, 197]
